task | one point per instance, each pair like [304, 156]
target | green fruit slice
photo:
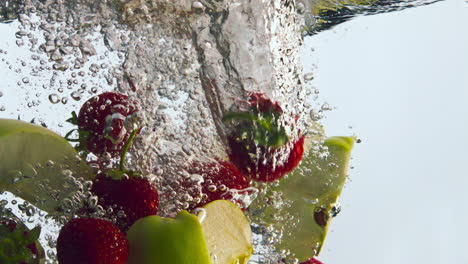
[35, 163]
[157, 240]
[307, 199]
[313, 191]
[227, 232]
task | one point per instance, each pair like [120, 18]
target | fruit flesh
[227, 233]
[314, 193]
[35, 164]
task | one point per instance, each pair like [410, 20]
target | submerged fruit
[259, 145]
[133, 195]
[35, 164]
[313, 191]
[101, 123]
[91, 241]
[158, 240]
[227, 232]
[221, 181]
[308, 198]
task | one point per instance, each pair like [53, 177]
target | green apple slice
[157, 240]
[35, 162]
[301, 205]
[313, 191]
[227, 232]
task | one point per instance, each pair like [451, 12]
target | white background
[401, 81]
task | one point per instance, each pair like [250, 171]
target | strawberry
[312, 261]
[133, 195]
[18, 244]
[101, 123]
[91, 241]
[219, 180]
[258, 145]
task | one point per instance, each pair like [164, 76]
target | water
[186, 64]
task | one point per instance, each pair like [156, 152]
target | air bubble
[76, 95]
[197, 5]
[315, 115]
[54, 98]
[326, 107]
[308, 76]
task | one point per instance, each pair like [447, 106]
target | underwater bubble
[54, 98]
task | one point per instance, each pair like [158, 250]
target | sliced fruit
[158, 240]
[313, 192]
[302, 204]
[227, 232]
[35, 162]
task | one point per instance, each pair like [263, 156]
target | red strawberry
[220, 179]
[134, 195]
[259, 146]
[18, 244]
[91, 241]
[312, 261]
[101, 123]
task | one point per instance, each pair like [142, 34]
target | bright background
[400, 80]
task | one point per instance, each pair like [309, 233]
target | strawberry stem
[126, 148]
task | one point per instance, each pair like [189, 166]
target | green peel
[157, 240]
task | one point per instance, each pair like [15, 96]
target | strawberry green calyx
[262, 123]
[262, 127]
[82, 135]
[18, 244]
